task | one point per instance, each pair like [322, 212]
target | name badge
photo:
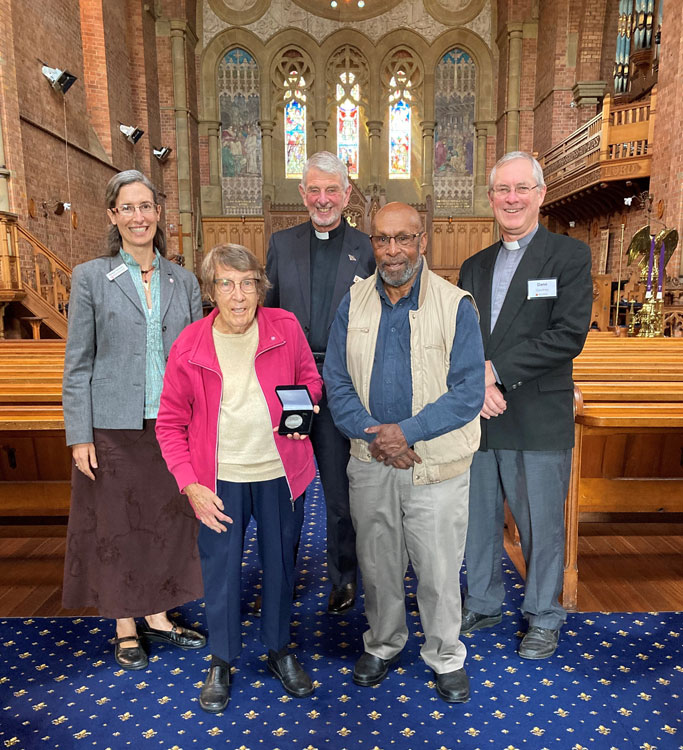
[540, 288]
[117, 271]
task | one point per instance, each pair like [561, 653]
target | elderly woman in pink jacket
[218, 430]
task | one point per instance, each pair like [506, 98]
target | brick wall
[667, 161]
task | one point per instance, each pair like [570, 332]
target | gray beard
[405, 277]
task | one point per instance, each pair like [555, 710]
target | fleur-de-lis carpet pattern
[616, 681]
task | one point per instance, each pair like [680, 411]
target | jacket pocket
[556, 383]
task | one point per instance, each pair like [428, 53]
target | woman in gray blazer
[131, 540]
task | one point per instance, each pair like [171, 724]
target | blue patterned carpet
[616, 681]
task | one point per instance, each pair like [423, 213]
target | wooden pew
[629, 436]
[35, 463]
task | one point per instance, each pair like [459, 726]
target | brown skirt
[132, 537]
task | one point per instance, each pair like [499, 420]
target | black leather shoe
[215, 693]
[132, 657]
[341, 598]
[371, 670]
[182, 638]
[291, 674]
[474, 621]
[539, 643]
[453, 687]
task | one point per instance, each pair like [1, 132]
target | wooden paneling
[247, 231]
[454, 241]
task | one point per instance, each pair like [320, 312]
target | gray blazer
[104, 366]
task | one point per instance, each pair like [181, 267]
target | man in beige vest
[405, 381]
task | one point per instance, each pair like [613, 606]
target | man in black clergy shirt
[311, 267]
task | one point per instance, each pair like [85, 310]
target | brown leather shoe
[341, 598]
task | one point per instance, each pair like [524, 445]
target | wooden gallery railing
[614, 145]
[33, 274]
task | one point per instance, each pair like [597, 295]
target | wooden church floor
[636, 567]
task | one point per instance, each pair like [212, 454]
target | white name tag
[117, 271]
[538, 288]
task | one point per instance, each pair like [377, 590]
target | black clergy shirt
[325, 256]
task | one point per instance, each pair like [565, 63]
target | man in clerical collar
[534, 294]
[311, 267]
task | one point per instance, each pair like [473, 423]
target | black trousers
[278, 528]
[332, 452]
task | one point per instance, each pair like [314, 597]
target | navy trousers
[278, 527]
[332, 452]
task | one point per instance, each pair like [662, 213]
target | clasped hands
[390, 447]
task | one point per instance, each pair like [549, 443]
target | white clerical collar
[514, 245]
[322, 235]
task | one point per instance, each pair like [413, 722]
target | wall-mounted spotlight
[162, 153]
[132, 134]
[61, 80]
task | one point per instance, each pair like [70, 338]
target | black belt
[319, 357]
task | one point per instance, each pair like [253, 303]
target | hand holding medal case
[297, 409]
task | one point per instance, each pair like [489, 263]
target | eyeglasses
[402, 240]
[517, 189]
[129, 209]
[227, 286]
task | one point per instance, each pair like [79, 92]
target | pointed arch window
[348, 122]
[295, 116]
[347, 77]
[455, 80]
[241, 157]
[402, 78]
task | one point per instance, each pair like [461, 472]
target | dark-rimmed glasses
[402, 240]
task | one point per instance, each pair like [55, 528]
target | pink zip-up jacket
[187, 424]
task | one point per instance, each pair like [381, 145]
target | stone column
[212, 198]
[427, 157]
[514, 32]
[320, 128]
[375, 133]
[267, 127]
[4, 179]
[182, 128]
[481, 204]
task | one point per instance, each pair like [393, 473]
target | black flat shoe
[539, 643]
[371, 670]
[291, 674]
[215, 693]
[474, 621]
[341, 598]
[453, 687]
[132, 657]
[185, 638]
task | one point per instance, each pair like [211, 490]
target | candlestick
[648, 290]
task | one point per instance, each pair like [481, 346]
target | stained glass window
[348, 126]
[295, 125]
[399, 126]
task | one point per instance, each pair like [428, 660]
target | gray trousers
[397, 522]
[535, 484]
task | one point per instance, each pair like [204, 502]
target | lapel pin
[352, 257]
[171, 281]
